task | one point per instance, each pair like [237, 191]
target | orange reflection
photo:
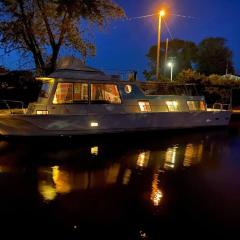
[143, 159]
[193, 154]
[156, 194]
[47, 191]
[94, 150]
[55, 181]
[61, 180]
[126, 176]
[170, 158]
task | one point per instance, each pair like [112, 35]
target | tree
[214, 57]
[183, 53]
[3, 69]
[43, 27]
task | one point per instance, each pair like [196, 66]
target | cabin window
[45, 90]
[64, 93]
[128, 89]
[105, 93]
[172, 106]
[80, 93]
[196, 105]
[144, 106]
[71, 93]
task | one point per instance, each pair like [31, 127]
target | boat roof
[74, 69]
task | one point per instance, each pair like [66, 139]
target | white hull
[67, 125]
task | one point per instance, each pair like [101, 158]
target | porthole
[128, 89]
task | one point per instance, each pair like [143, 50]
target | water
[137, 187]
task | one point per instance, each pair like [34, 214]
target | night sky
[124, 44]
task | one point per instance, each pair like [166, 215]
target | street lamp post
[161, 14]
[171, 65]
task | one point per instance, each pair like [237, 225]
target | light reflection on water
[57, 180]
[109, 181]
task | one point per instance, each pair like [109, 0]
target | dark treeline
[210, 56]
[19, 86]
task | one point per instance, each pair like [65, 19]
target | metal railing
[13, 107]
[221, 107]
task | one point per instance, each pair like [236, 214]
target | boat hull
[68, 125]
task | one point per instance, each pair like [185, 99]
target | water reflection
[156, 194]
[170, 158]
[143, 159]
[109, 181]
[120, 170]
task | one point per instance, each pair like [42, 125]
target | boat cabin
[84, 90]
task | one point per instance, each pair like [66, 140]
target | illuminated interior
[172, 106]
[144, 106]
[196, 105]
[71, 93]
[105, 93]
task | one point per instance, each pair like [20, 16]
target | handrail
[6, 102]
[221, 106]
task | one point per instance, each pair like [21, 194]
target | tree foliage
[182, 53]
[211, 56]
[42, 27]
[214, 57]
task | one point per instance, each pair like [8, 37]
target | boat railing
[221, 107]
[13, 107]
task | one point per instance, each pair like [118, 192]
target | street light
[171, 65]
[161, 14]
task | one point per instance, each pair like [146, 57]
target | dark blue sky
[124, 44]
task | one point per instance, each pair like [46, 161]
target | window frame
[73, 102]
[98, 102]
[172, 105]
[144, 101]
[197, 101]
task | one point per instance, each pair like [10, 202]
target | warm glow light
[126, 176]
[193, 154]
[45, 79]
[94, 150]
[162, 13]
[170, 64]
[94, 124]
[61, 180]
[47, 191]
[170, 158]
[143, 159]
[156, 194]
[42, 112]
[144, 106]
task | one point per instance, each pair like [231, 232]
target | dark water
[128, 187]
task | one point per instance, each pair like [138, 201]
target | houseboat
[80, 100]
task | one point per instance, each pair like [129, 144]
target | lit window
[42, 112]
[172, 106]
[105, 93]
[196, 105]
[128, 89]
[144, 106]
[64, 93]
[71, 93]
[45, 89]
[80, 93]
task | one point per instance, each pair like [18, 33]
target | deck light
[94, 124]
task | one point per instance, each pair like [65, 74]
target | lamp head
[162, 13]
